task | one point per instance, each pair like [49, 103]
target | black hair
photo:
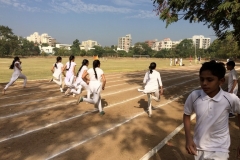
[14, 60]
[57, 60]
[231, 63]
[84, 62]
[96, 63]
[152, 67]
[70, 59]
[217, 69]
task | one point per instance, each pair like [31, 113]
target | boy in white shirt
[232, 81]
[212, 105]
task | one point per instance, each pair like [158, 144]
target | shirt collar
[217, 97]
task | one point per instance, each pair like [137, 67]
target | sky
[103, 21]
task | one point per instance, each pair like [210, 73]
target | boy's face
[210, 83]
[229, 67]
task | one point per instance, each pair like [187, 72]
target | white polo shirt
[211, 132]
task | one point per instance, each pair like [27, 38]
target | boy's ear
[222, 81]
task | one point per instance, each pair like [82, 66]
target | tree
[218, 14]
[184, 49]
[75, 47]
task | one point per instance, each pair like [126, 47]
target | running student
[57, 72]
[16, 66]
[211, 139]
[96, 83]
[232, 81]
[80, 83]
[70, 74]
[153, 85]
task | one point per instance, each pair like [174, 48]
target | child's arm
[190, 145]
[234, 85]
[52, 69]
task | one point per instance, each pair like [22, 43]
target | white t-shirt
[211, 132]
[231, 77]
[70, 70]
[84, 68]
[16, 70]
[91, 73]
[152, 81]
[58, 70]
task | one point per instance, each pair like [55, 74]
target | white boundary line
[164, 141]
[51, 124]
[112, 128]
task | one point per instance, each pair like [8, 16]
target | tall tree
[75, 48]
[221, 15]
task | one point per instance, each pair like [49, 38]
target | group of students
[212, 105]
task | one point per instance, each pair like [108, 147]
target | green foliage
[75, 49]
[221, 15]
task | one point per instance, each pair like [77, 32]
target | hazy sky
[100, 20]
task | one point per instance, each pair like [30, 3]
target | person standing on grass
[232, 81]
[211, 139]
[96, 84]
[57, 73]
[80, 83]
[17, 73]
[153, 85]
[70, 74]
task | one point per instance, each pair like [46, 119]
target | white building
[166, 43]
[66, 46]
[48, 49]
[201, 42]
[44, 38]
[88, 45]
[124, 43]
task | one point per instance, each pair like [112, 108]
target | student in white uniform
[232, 81]
[80, 83]
[57, 72]
[70, 74]
[211, 139]
[96, 84]
[16, 66]
[153, 85]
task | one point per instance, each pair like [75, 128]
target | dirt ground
[39, 122]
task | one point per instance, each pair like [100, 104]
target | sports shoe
[231, 115]
[80, 99]
[154, 108]
[67, 92]
[61, 90]
[74, 95]
[149, 115]
[102, 113]
[140, 90]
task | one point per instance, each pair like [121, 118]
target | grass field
[39, 67]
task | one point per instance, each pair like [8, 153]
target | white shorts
[211, 155]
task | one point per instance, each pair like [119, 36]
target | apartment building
[88, 45]
[124, 43]
[201, 42]
[44, 38]
[150, 43]
[166, 43]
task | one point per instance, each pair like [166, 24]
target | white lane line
[37, 100]
[54, 123]
[164, 141]
[112, 128]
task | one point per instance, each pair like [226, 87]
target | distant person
[96, 84]
[80, 83]
[70, 74]
[180, 62]
[170, 61]
[211, 139]
[232, 81]
[17, 73]
[153, 86]
[57, 73]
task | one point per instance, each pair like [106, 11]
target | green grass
[39, 67]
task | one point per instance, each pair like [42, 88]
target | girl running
[97, 82]
[153, 85]
[57, 73]
[70, 75]
[80, 83]
[16, 66]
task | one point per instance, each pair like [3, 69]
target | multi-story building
[201, 42]
[150, 43]
[44, 38]
[87, 45]
[166, 43]
[124, 43]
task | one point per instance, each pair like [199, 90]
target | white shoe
[74, 95]
[61, 90]
[140, 90]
